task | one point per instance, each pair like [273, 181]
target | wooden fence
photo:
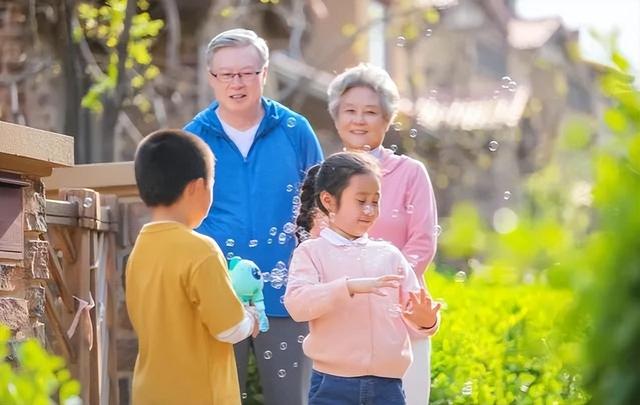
[81, 295]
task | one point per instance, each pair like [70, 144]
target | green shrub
[503, 344]
[611, 282]
[579, 231]
[36, 377]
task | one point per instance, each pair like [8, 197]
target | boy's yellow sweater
[179, 297]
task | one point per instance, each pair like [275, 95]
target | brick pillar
[22, 289]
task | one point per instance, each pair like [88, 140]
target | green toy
[247, 283]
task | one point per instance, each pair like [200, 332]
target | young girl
[363, 102]
[360, 296]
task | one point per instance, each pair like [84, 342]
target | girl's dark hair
[332, 176]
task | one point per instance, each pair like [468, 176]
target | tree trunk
[112, 103]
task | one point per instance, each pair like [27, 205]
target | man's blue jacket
[255, 198]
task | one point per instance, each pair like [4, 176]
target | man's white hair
[238, 37]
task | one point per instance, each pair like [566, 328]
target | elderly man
[262, 150]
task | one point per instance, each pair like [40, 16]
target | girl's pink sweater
[358, 335]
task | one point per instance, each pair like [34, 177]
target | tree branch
[121, 49]
[173, 43]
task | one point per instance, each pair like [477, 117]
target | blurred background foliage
[29, 375]
[105, 25]
[545, 304]
[502, 344]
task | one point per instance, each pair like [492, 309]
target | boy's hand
[373, 285]
[256, 320]
[421, 311]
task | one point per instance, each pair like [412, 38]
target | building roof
[531, 34]
[520, 33]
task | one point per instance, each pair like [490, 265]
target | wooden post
[79, 281]
[111, 321]
[94, 276]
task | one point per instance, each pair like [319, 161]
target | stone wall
[22, 282]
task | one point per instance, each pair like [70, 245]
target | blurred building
[490, 93]
[485, 92]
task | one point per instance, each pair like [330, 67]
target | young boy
[178, 292]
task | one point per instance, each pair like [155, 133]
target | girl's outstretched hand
[421, 311]
[373, 285]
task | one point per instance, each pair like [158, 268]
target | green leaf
[33, 380]
[104, 11]
[143, 104]
[102, 32]
[615, 120]
[140, 19]
[576, 133]
[86, 11]
[112, 42]
[634, 152]
[139, 52]
[77, 34]
[227, 12]
[151, 72]
[69, 389]
[112, 69]
[432, 16]
[143, 5]
[137, 82]
[620, 61]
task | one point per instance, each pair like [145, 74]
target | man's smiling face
[241, 94]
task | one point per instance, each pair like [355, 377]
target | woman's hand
[373, 285]
[421, 311]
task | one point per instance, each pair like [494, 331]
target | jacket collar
[338, 240]
[272, 117]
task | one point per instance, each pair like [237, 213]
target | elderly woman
[363, 102]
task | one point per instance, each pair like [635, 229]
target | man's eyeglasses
[228, 77]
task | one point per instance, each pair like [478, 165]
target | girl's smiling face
[357, 208]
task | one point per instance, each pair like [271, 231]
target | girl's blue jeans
[327, 389]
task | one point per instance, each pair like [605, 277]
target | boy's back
[179, 297]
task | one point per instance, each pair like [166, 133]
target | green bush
[611, 256]
[35, 377]
[579, 233]
[503, 344]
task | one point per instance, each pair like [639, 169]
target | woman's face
[360, 122]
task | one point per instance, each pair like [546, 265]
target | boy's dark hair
[332, 176]
[166, 161]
